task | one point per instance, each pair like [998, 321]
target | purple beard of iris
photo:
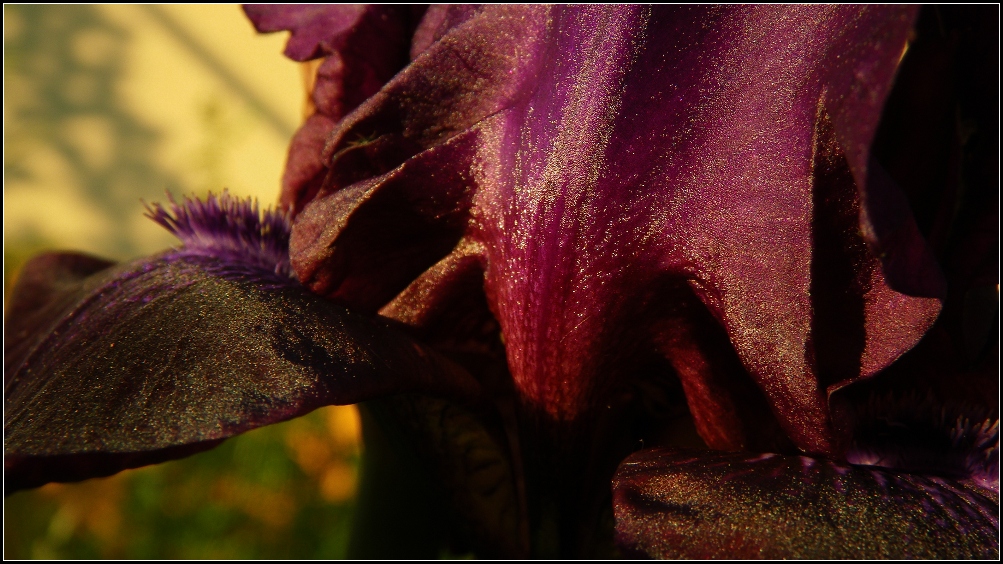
[667, 282]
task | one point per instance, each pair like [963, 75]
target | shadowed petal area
[46, 287]
[433, 470]
[700, 504]
[364, 244]
[363, 47]
[615, 149]
[163, 356]
[595, 155]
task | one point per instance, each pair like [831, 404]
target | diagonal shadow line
[275, 121]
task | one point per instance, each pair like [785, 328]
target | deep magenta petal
[621, 147]
[700, 504]
[316, 30]
[365, 244]
[437, 21]
[598, 194]
[313, 27]
[360, 61]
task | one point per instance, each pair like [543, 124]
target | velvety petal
[46, 287]
[362, 61]
[475, 70]
[859, 324]
[862, 83]
[938, 141]
[163, 356]
[364, 244]
[319, 30]
[313, 27]
[936, 409]
[599, 196]
[363, 47]
[618, 147]
[425, 298]
[693, 504]
[305, 168]
[455, 83]
[729, 411]
[437, 21]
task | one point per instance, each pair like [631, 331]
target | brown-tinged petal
[363, 47]
[615, 148]
[163, 356]
[700, 504]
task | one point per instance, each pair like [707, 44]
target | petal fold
[363, 47]
[700, 504]
[364, 244]
[621, 147]
[112, 367]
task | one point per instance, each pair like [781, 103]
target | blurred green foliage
[283, 491]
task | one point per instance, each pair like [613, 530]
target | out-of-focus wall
[109, 106]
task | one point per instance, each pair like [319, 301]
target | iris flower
[673, 282]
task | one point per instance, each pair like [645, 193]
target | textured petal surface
[166, 352]
[617, 147]
[692, 504]
[112, 367]
[362, 48]
[46, 287]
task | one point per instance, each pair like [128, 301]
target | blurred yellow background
[106, 105]
[109, 106]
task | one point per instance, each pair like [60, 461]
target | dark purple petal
[701, 504]
[46, 287]
[363, 47]
[305, 168]
[891, 231]
[935, 409]
[167, 355]
[316, 30]
[617, 148]
[363, 245]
